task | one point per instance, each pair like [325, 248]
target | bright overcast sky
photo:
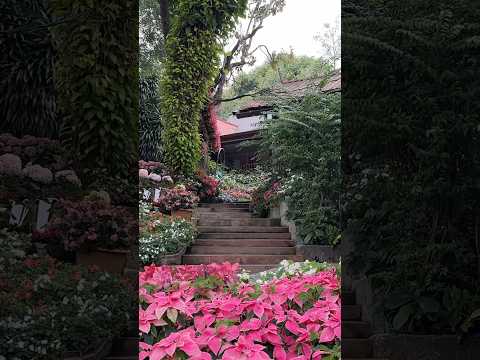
[296, 27]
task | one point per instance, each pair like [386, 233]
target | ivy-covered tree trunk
[192, 55]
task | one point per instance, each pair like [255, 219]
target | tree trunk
[165, 16]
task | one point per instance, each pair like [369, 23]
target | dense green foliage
[302, 147]
[27, 103]
[96, 81]
[150, 127]
[412, 158]
[285, 67]
[192, 56]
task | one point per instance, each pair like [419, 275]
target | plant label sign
[43, 214]
[156, 197]
[18, 213]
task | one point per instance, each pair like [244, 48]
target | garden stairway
[356, 342]
[229, 232]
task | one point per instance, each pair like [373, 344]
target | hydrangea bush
[203, 312]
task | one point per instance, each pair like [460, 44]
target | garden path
[229, 232]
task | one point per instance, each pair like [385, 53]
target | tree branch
[260, 92]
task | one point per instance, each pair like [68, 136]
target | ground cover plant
[206, 312]
[41, 301]
[238, 185]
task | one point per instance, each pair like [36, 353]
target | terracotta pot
[103, 350]
[185, 214]
[113, 261]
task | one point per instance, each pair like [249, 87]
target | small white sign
[157, 195]
[18, 214]
[43, 214]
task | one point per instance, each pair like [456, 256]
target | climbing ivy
[193, 48]
[96, 78]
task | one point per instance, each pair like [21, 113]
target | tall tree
[193, 49]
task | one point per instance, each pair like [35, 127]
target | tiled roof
[301, 87]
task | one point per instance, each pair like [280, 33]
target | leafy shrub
[411, 160]
[96, 84]
[161, 237]
[27, 104]
[150, 127]
[176, 198]
[302, 148]
[92, 224]
[49, 308]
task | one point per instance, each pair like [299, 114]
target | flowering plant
[163, 237]
[204, 312]
[94, 223]
[208, 188]
[287, 268]
[176, 198]
[49, 308]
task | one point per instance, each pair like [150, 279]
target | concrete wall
[425, 347]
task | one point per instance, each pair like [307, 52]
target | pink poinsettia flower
[245, 349]
[146, 318]
[181, 340]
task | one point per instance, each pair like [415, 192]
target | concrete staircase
[229, 232]
[356, 343]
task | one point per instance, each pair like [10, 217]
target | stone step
[243, 229]
[244, 235]
[351, 312]
[237, 250]
[237, 205]
[253, 269]
[356, 329]
[245, 242]
[222, 210]
[238, 222]
[207, 215]
[356, 348]
[241, 259]
[125, 346]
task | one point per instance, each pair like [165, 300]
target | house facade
[238, 150]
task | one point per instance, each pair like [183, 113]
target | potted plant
[164, 241]
[177, 201]
[100, 234]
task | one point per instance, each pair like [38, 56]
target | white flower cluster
[287, 268]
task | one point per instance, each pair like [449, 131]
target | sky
[296, 27]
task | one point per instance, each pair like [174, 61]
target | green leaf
[172, 315]
[403, 316]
